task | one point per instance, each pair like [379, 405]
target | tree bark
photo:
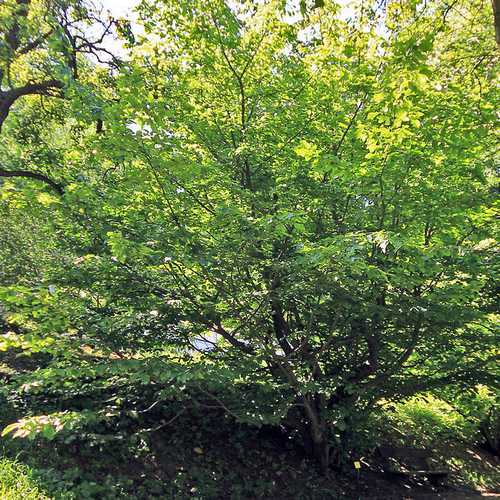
[496, 18]
[316, 441]
[321, 451]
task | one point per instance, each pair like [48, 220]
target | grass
[18, 481]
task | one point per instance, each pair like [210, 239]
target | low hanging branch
[33, 175]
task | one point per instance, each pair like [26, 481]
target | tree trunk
[321, 452]
[496, 19]
[316, 442]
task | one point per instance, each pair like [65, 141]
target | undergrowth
[18, 481]
[165, 452]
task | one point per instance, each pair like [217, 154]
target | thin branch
[35, 43]
[164, 424]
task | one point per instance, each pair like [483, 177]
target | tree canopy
[298, 199]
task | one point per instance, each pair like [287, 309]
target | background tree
[41, 51]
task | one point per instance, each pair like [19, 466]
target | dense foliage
[293, 203]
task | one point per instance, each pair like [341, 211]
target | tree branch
[33, 175]
[9, 97]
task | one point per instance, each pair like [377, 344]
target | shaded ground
[204, 454]
[225, 460]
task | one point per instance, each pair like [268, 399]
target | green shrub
[421, 420]
[18, 481]
[480, 407]
[470, 416]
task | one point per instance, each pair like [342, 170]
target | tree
[314, 191]
[40, 52]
